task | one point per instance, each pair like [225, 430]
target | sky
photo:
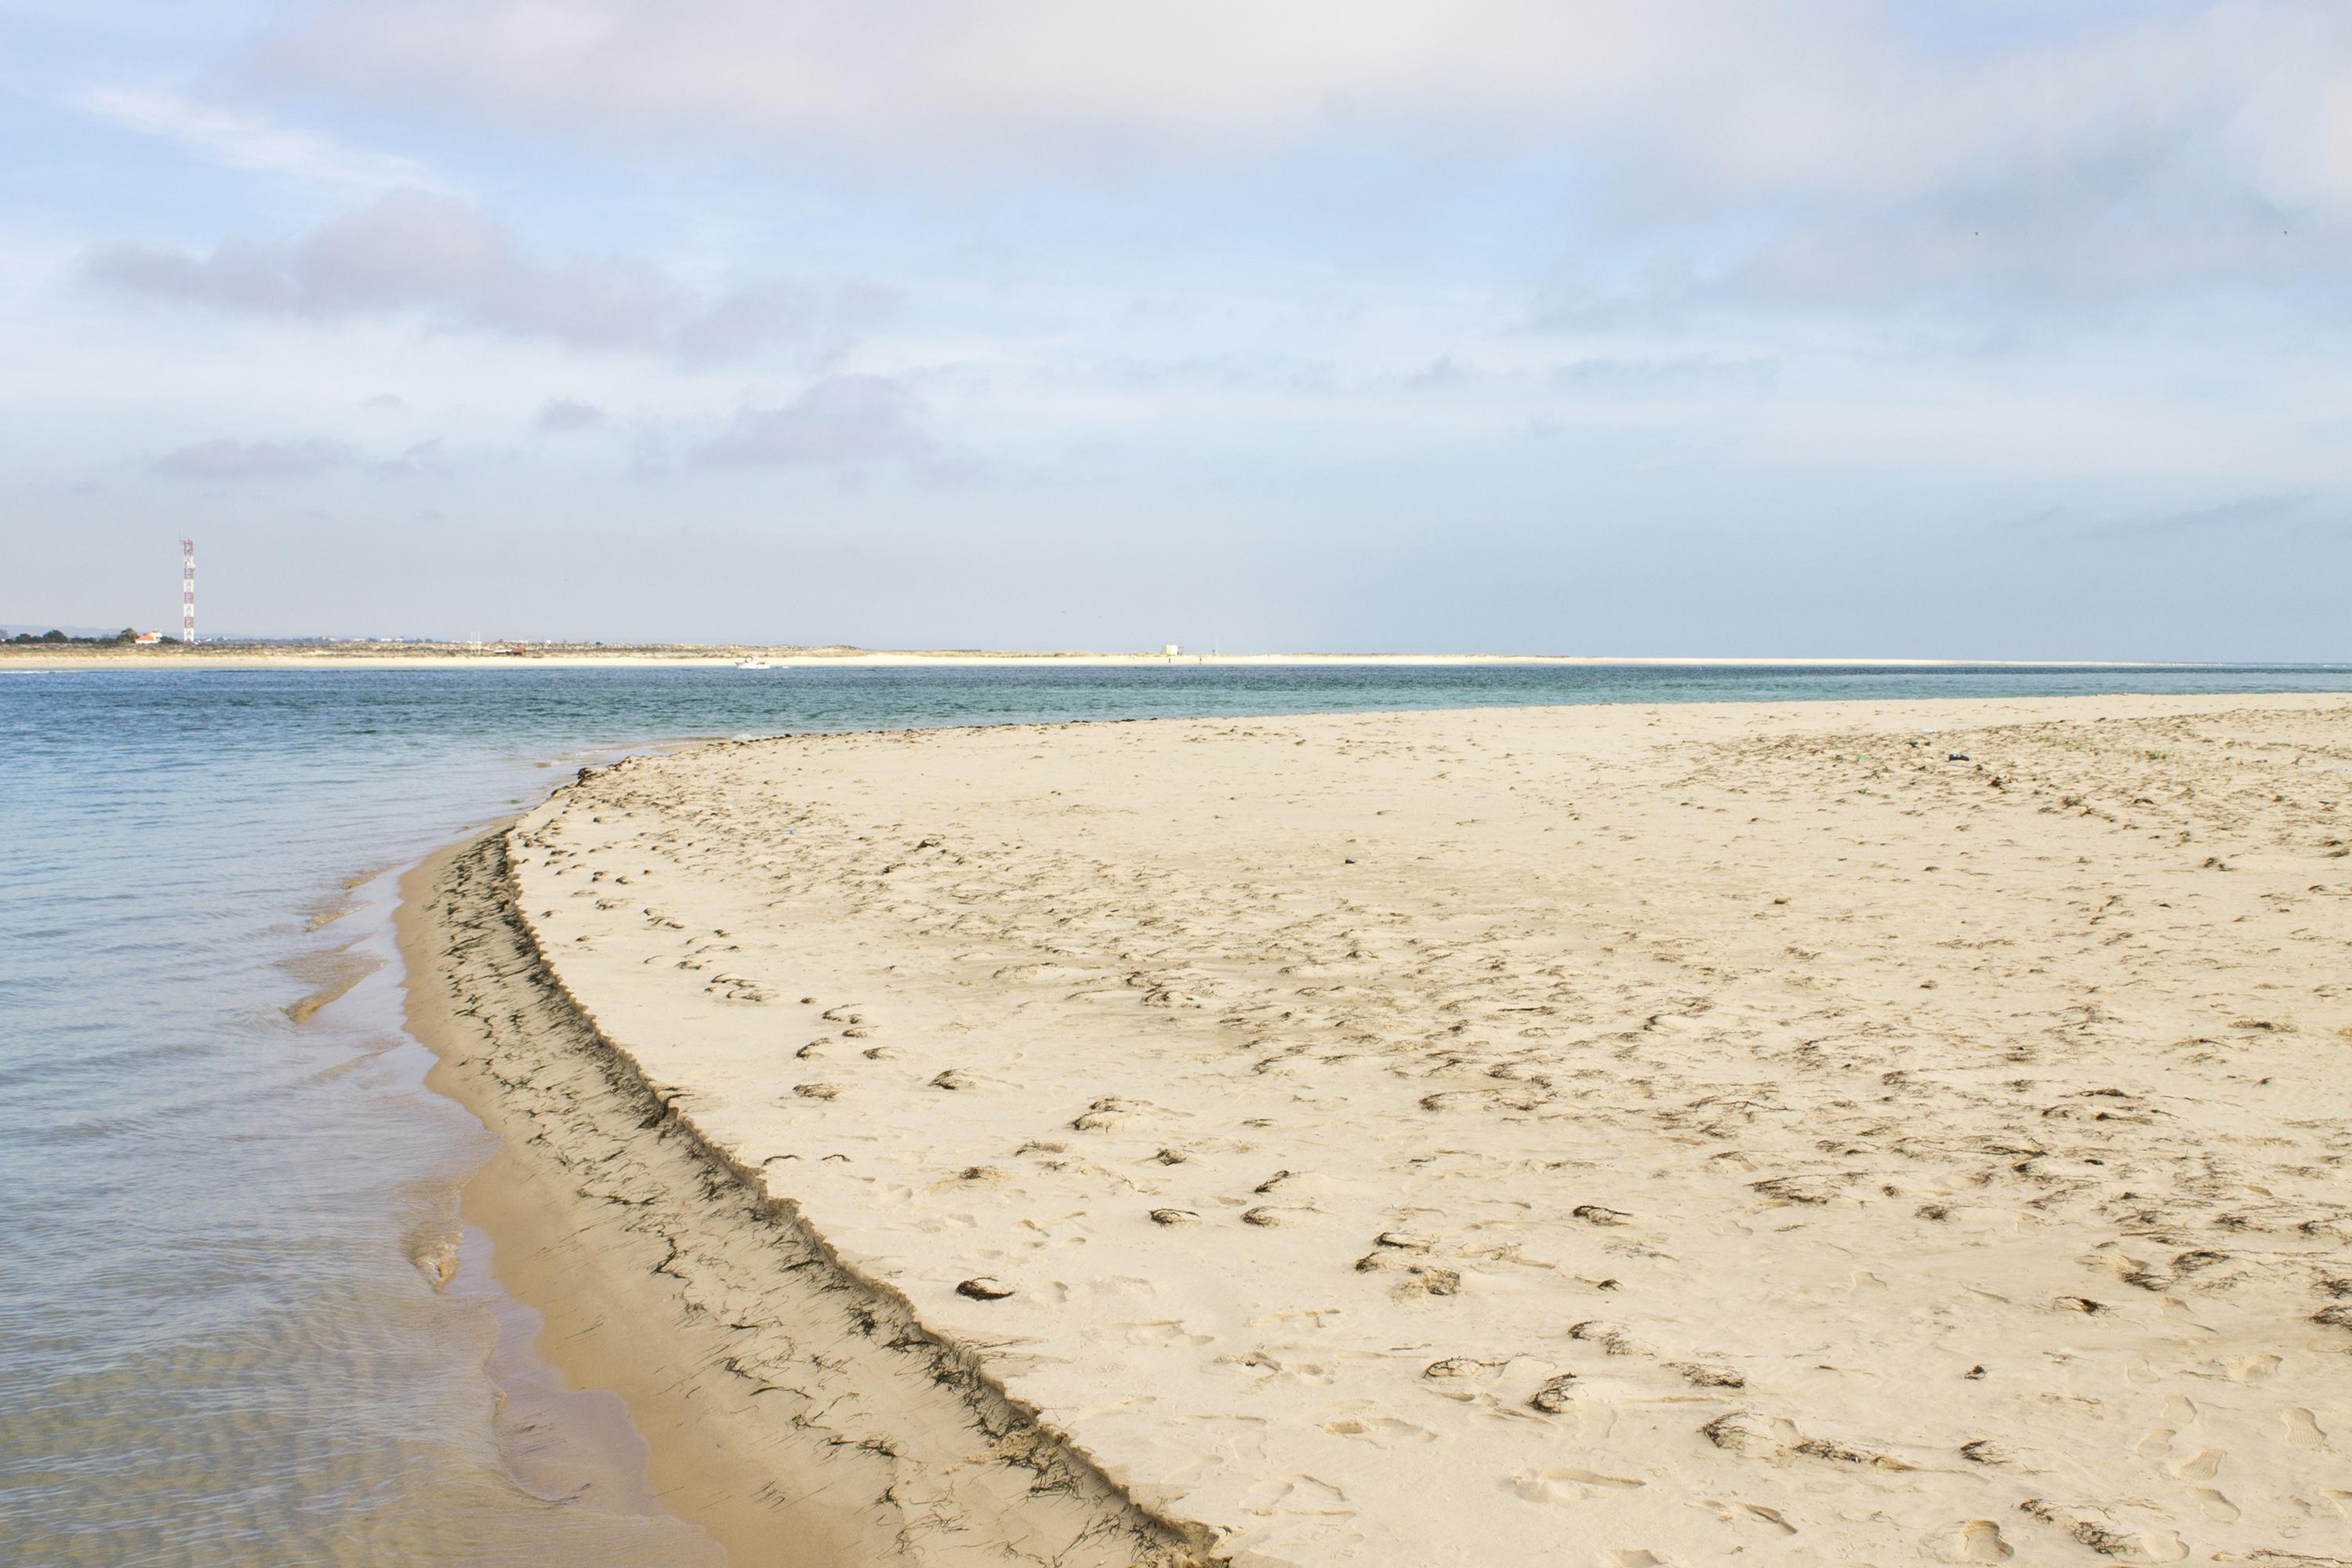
[1685, 327]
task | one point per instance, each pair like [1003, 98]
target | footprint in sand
[1565, 1485]
[1381, 1431]
[1975, 1541]
[2200, 1466]
[1299, 1495]
[2302, 1430]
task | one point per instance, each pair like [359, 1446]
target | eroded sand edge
[794, 1411]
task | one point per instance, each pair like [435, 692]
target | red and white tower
[187, 590]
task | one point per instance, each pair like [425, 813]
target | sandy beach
[1813, 1133]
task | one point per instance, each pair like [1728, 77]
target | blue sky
[2004, 329]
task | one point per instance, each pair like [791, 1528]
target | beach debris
[1422, 1279]
[1103, 1114]
[2090, 1532]
[984, 1288]
[954, 1078]
[1455, 1366]
[1956, 756]
[1795, 1189]
[1776, 1440]
[1552, 1398]
[1596, 1214]
[1612, 1339]
[1174, 1217]
[817, 1091]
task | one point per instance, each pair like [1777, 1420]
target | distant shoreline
[575, 655]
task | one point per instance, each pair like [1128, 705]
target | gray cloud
[417, 457]
[230, 459]
[840, 419]
[2224, 516]
[1665, 375]
[1240, 369]
[563, 414]
[417, 251]
[1675, 374]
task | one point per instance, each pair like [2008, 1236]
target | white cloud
[460, 268]
[1725, 97]
[238, 140]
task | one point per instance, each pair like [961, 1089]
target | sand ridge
[1817, 1133]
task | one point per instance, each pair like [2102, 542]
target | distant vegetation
[127, 633]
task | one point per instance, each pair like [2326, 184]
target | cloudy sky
[2016, 328]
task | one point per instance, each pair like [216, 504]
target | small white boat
[753, 663]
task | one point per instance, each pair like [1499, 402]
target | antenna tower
[187, 590]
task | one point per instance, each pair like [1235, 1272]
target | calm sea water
[213, 1347]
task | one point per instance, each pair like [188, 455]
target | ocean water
[216, 1153]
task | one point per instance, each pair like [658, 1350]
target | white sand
[1608, 1136]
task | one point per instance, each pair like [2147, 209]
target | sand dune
[1813, 1133]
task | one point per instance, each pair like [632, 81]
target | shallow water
[213, 1346]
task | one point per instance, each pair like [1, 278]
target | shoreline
[792, 1409]
[573, 656]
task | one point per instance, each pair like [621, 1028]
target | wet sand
[794, 1412]
[1822, 1132]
